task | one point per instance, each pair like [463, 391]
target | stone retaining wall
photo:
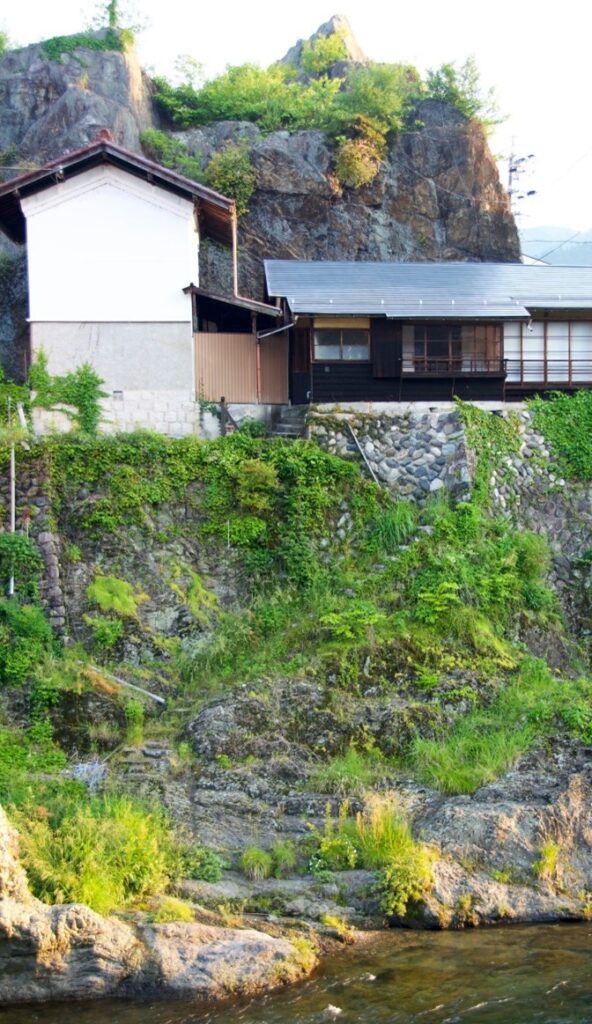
[34, 518]
[416, 454]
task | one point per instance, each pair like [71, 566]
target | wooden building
[385, 332]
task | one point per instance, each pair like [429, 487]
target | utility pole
[517, 165]
[12, 489]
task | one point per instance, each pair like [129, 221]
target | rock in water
[69, 952]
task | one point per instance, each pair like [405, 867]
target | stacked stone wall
[414, 454]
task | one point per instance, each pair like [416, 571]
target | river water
[513, 975]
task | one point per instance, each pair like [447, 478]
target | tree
[461, 88]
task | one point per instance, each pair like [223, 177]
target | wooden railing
[549, 371]
[427, 366]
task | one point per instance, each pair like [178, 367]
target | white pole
[12, 494]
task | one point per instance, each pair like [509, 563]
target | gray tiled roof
[428, 290]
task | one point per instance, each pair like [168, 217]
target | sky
[536, 55]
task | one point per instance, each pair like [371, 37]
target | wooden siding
[354, 382]
[226, 366]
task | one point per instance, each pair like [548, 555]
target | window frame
[340, 362]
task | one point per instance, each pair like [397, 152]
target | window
[337, 340]
[451, 348]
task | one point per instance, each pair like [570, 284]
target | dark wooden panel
[351, 382]
[386, 348]
[300, 361]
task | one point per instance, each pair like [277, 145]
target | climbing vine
[81, 389]
[491, 438]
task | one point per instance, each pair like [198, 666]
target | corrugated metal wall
[274, 369]
[226, 366]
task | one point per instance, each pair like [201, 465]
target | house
[384, 332]
[113, 251]
[113, 270]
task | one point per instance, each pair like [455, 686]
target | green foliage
[106, 632]
[230, 173]
[393, 525]
[322, 53]
[487, 741]
[20, 557]
[283, 855]
[169, 909]
[4, 43]
[113, 39]
[25, 637]
[357, 162]
[491, 438]
[379, 838]
[9, 390]
[546, 866]
[565, 421]
[114, 595]
[81, 389]
[24, 753]
[134, 717]
[169, 152]
[461, 88]
[256, 864]
[200, 863]
[354, 623]
[104, 851]
[349, 774]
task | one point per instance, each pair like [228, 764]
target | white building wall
[106, 246]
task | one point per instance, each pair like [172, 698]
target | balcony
[429, 366]
[542, 372]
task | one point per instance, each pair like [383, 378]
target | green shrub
[348, 774]
[322, 53]
[103, 851]
[25, 637]
[393, 526]
[20, 557]
[170, 152]
[199, 863]
[461, 88]
[106, 632]
[230, 172]
[546, 866]
[134, 717]
[565, 421]
[357, 162]
[114, 595]
[485, 742]
[256, 864]
[283, 854]
[170, 909]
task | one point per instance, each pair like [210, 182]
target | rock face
[69, 952]
[338, 24]
[50, 107]
[437, 197]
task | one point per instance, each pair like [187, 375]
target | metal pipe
[12, 493]
[277, 330]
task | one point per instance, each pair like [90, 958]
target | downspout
[257, 356]
[234, 254]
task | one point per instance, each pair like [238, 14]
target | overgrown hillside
[315, 641]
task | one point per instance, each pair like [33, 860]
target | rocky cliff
[437, 195]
